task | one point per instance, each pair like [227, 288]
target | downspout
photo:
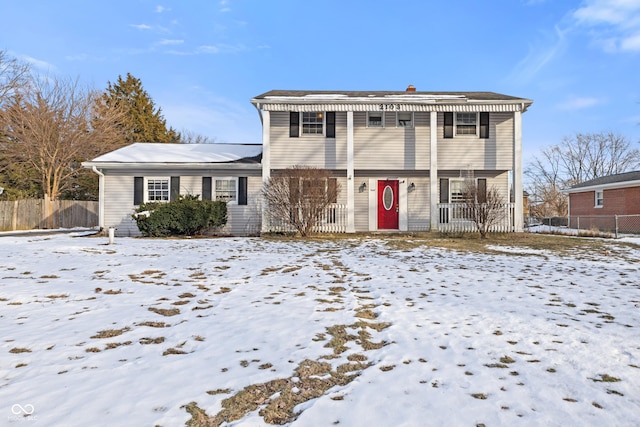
[100, 197]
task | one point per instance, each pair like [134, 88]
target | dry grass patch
[168, 312]
[154, 324]
[110, 333]
[147, 340]
[278, 397]
[17, 350]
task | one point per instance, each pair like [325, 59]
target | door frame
[372, 186]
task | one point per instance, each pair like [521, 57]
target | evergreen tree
[143, 120]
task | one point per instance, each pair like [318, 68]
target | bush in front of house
[186, 216]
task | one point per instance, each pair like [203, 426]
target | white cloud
[540, 55]
[221, 48]
[224, 6]
[579, 103]
[37, 63]
[141, 26]
[160, 9]
[170, 42]
[614, 25]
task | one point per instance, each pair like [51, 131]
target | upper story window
[466, 123]
[157, 189]
[405, 119]
[312, 123]
[460, 124]
[599, 198]
[375, 119]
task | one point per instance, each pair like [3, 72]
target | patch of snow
[239, 304]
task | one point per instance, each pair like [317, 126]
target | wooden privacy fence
[32, 214]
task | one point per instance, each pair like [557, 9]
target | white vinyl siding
[418, 204]
[391, 148]
[470, 152]
[308, 150]
[118, 207]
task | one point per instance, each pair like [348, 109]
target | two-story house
[401, 158]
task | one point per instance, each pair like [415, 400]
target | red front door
[388, 205]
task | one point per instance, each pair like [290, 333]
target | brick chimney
[411, 88]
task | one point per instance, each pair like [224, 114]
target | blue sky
[202, 61]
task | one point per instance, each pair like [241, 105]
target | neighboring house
[597, 203]
[401, 158]
[145, 172]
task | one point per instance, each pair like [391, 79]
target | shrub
[183, 217]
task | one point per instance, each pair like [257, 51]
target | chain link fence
[614, 224]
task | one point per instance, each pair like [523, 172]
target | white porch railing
[456, 218]
[332, 220]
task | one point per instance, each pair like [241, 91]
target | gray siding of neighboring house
[118, 204]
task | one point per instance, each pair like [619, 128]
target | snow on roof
[149, 152]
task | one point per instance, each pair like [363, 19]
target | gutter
[100, 197]
[611, 185]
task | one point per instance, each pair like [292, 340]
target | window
[312, 123]
[375, 119]
[466, 123]
[226, 190]
[405, 120]
[599, 198]
[456, 188]
[157, 189]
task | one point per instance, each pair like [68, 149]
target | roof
[341, 94]
[339, 100]
[157, 154]
[627, 179]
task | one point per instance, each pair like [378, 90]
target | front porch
[453, 218]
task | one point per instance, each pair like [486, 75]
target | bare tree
[48, 129]
[189, 137]
[299, 197]
[576, 159]
[13, 76]
[485, 207]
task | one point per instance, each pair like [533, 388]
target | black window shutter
[444, 190]
[138, 190]
[294, 124]
[484, 125]
[448, 127]
[206, 188]
[174, 189]
[331, 124]
[332, 185]
[242, 190]
[482, 190]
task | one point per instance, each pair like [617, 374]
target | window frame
[598, 201]
[381, 113]
[146, 189]
[398, 120]
[456, 125]
[308, 122]
[214, 188]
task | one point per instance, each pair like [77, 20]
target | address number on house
[390, 107]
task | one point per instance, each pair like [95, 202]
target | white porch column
[351, 206]
[517, 171]
[266, 160]
[433, 171]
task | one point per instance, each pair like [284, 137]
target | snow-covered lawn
[130, 334]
